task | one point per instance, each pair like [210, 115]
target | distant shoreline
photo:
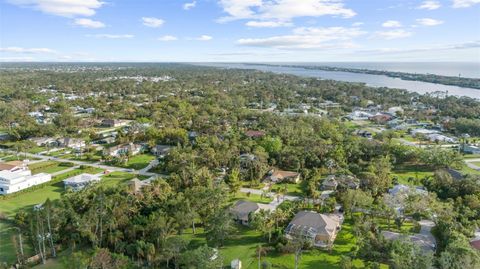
[473, 83]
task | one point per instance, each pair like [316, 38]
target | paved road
[97, 165]
[471, 165]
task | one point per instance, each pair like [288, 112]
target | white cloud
[356, 24]
[429, 5]
[17, 59]
[464, 3]
[268, 24]
[88, 23]
[188, 6]
[112, 36]
[152, 22]
[429, 22]
[308, 38]
[393, 34]
[66, 8]
[204, 38]
[282, 10]
[392, 24]
[27, 50]
[167, 38]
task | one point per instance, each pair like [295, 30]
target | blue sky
[240, 30]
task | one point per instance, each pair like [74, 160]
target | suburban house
[329, 183]
[124, 149]
[471, 149]
[161, 150]
[283, 176]
[4, 136]
[136, 185]
[320, 229]
[44, 141]
[73, 143]
[81, 181]
[381, 118]
[242, 209]
[359, 115]
[364, 133]
[12, 165]
[254, 134]
[396, 109]
[425, 243]
[19, 178]
[475, 242]
[397, 196]
[113, 123]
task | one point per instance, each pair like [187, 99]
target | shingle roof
[314, 222]
[243, 208]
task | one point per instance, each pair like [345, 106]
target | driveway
[277, 199]
[470, 164]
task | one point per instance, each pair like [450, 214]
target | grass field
[292, 189]
[116, 178]
[476, 163]
[137, 162]
[252, 197]
[416, 172]
[48, 167]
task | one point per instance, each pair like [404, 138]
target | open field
[411, 174]
[137, 162]
[292, 188]
[48, 167]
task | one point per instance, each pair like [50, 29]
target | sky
[240, 30]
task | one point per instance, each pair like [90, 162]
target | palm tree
[260, 251]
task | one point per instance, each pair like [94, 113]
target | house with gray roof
[243, 209]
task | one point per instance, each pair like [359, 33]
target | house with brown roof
[284, 176]
[124, 149]
[12, 166]
[136, 185]
[254, 134]
[320, 229]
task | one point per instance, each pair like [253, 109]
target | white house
[18, 179]
[81, 181]
[471, 149]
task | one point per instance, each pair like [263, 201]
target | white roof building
[16, 180]
[81, 181]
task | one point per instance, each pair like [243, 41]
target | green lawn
[48, 167]
[468, 170]
[116, 178]
[252, 197]
[416, 172]
[476, 163]
[137, 162]
[292, 188]
[245, 240]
